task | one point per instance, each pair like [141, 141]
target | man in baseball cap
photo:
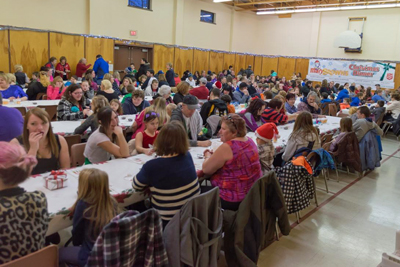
[190, 118]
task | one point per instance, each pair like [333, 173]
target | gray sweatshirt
[362, 126]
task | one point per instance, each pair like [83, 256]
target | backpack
[218, 108]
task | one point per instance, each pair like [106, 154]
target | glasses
[231, 120]
[151, 114]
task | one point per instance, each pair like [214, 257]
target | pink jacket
[54, 93]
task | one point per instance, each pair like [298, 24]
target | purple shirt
[11, 123]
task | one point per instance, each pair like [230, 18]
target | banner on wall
[366, 73]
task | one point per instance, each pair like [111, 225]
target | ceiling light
[220, 1]
[284, 11]
[328, 9]
[305, 10]
[352, 7]
[382, 6]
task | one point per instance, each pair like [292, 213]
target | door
[125, 55]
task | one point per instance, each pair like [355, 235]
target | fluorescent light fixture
[284, 11]
[220, 1]
[266, 13]
[352, 7]
[382, 6]
[305, 10]
[328, 9]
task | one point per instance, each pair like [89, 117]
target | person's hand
[34, 138]
[315, 105]
[321, 116]
[207, 153]
[11, 98]
[86, 111]
[118, 130]
[206, 143]
[246, 92]
[148, 151]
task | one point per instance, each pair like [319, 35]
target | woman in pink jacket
[56, 89]
[63, 69]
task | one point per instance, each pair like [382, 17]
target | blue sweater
[342, 95]
[326, 101]
[355, 102]
[13, 91]
[100, 68]
[376, 98]
[129, 108]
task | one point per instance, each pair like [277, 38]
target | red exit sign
[133, 33]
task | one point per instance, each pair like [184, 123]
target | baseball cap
[203, 80]
[191, 102]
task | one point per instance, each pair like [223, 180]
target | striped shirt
[172, 182]
[271, 115]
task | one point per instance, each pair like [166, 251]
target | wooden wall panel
[229, 59]
[250, 61]
[96, 46]
[286, 67]
[396, 76]
[201, 60]
[70, 46]
[216, 61]
[4, 58]
[183, 60]
[162, 56]
[269, 64]
[257, 65]
[240, 62]
[302, 66]
[30, 49]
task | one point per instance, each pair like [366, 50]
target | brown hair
[57, 79]
[236, 124]
[138, 93]
[104, 116]
[324, 83]
[268, 94]
[68, 94]
[130, 88]
[275, 103]
[93, 188]
[183, 87]
[44, 116]
[304, 126]
[63, 58]
[122, 83]
[172, 139]
[346, 125]
[365, 110]
[254, 107]
[161, 77]
[396, 96]
[119, 110]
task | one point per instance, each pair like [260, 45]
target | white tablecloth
[68, 127]
[32, 104]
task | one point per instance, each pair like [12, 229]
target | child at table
[227, 99]
[93, 209]
[97, 103]
[265, 133]
[56, 89]
[378, 110]
[346, 126]
[356, 101]
[345, 104]
[171, 107]
[146, 138]
[116, 106]
[353, 114]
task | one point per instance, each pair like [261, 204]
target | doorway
[124, 55]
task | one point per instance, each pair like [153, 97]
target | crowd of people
[179, 116]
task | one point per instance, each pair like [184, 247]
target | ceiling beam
[262, 2]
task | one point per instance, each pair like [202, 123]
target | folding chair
[51, 110]
[72, 140]
[326, 138]
[332, 110]
[77, 157]
[40, 96]
[46, 257]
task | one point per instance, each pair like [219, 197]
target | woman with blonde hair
[114, 84]
[9, 91]
[183, 89]
[36, 88]
[93, 209]
[21, 77]
[159, 106]
[107, 90]
[124, 85]
[97, 103]
[24, 214]
[56, 89]
[38, 139]
[304, 134]
[117, 77]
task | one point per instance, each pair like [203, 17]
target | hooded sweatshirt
[301, 140]
[362, 126]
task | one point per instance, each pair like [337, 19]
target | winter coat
[35, 88]
[142, 70]
[369, 151]
[348, 151]
[129, 108]
[170, 76]
[252, 227]
[100, 67]
[342, 95]
[362, 126]
[210, 108]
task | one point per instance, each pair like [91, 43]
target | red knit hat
[266, 131]
[218, 84]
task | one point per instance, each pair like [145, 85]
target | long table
[122, 171]
[32, 104]
[68, 127]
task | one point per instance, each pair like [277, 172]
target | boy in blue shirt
[356, 100]
[378, 96]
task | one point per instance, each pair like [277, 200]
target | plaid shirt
[266, 153]
[64, 112]
[130, 239]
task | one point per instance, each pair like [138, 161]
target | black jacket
[128, 108]
[305, 90]
[34, 88]
[142, 70]
[178, 98]
[325, 90]
[219, 105]
[170, 76]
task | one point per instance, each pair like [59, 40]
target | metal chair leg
[298, 216]
[315, 192]
[326, 182]
[277, 230]
[348, 171]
